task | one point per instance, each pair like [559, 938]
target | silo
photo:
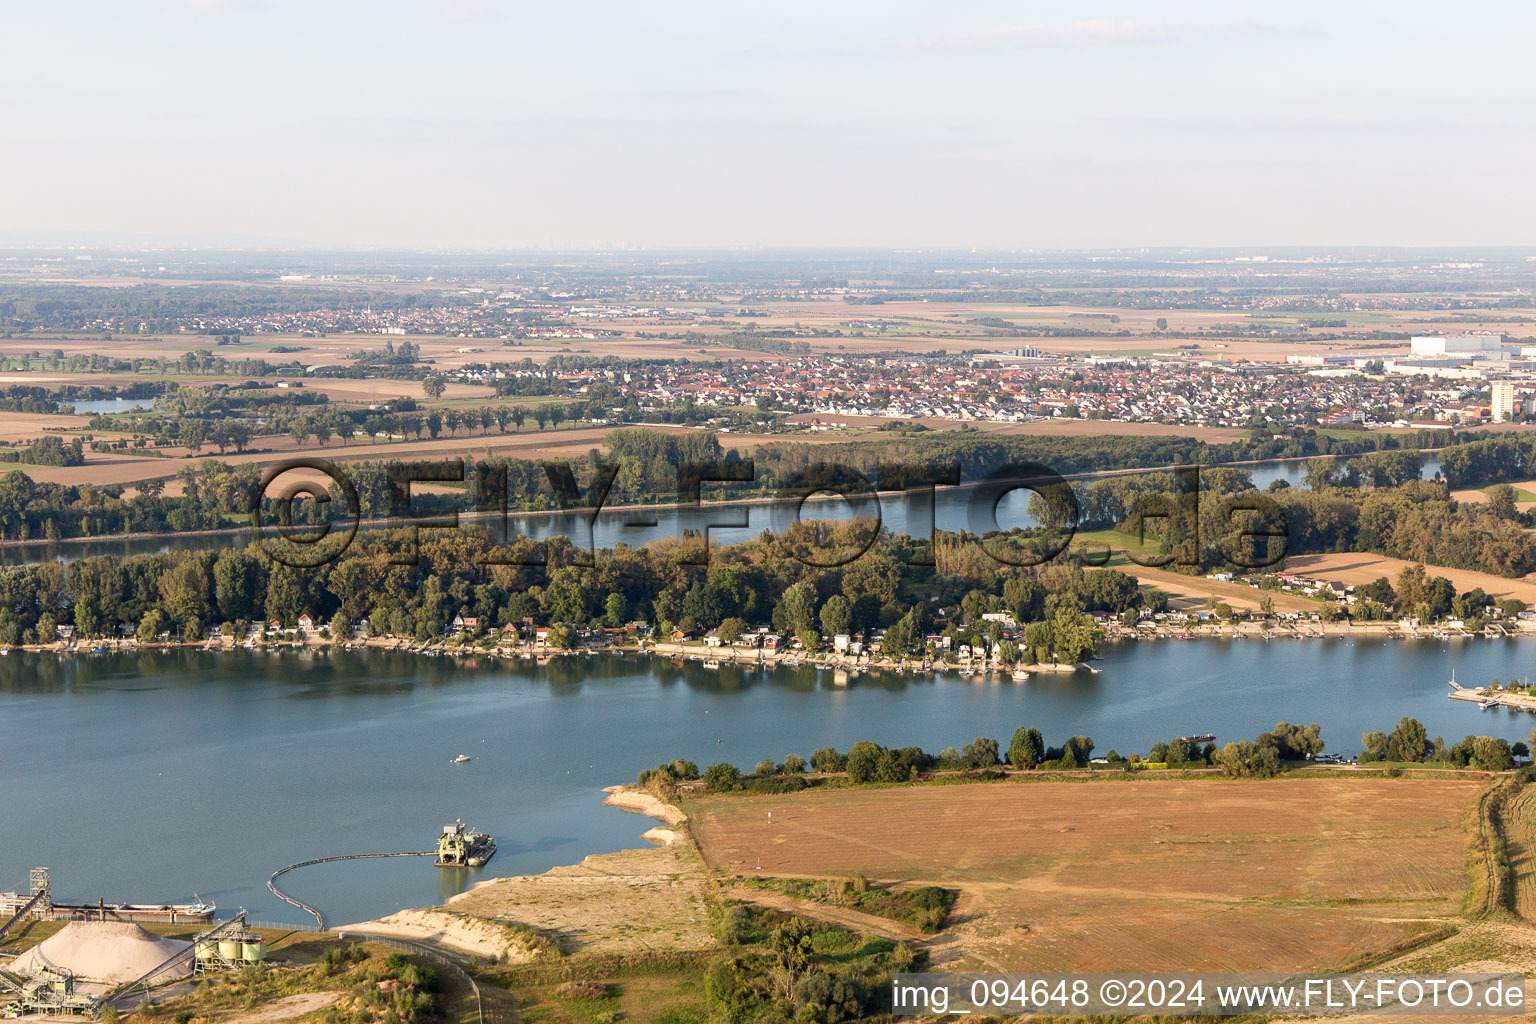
[229, 949]
[253, 950]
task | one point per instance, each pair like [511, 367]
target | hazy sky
[469, 124]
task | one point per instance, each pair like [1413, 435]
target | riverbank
[386, 523]
[715, 657]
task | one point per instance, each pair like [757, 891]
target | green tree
[981, 753]
[566, 596]
[1501, 501]
[837, 615]
[615, 610]
[1373, 746]
[827, 760]
[1074, 636]
[1408, 742]
[790, 949]
[719, 778]
[1492, 754]
[1247, 760]
[1027, 747]
[1081, 748]
[798, 608]
[150, 626]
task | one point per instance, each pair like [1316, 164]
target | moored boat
[461, 847]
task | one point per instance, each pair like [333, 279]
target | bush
[787, 784]
[927, 920]
[735, 926]
[722, 777]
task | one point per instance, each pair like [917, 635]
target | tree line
[870, 763]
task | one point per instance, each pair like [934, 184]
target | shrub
[735, 926]
[719, 778]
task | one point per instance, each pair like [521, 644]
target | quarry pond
[148, 777]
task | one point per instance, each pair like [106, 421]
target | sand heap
[107, 951]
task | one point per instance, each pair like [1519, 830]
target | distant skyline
[454, 124]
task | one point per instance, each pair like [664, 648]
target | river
[950, 508]
[147, 776]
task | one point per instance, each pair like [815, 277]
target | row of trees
[867, 762]
[1409, 741]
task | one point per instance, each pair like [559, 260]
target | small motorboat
[461, 759]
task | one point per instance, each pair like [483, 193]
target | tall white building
[1501, 405]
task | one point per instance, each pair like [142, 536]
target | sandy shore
[631, 798]
[455, 931]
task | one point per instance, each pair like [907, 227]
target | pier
[1485, 698]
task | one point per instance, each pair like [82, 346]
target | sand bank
[630, 798]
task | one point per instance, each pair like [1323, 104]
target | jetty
[1486, 698]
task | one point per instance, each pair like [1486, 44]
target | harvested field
[24, 426]
[1133, 875]
[1193, 592]
[1357, 568]
[530, 444]
[1525, 494]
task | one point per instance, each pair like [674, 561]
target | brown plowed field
[1145, 875]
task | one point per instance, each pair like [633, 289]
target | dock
[1485, 698]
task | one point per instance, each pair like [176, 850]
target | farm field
[25, 426]
[1137, 875]
[1525, 494]
[117, 468]
[1364, 567]
[1191, 593]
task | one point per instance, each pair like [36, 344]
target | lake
[105, 406]
[148, 776]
